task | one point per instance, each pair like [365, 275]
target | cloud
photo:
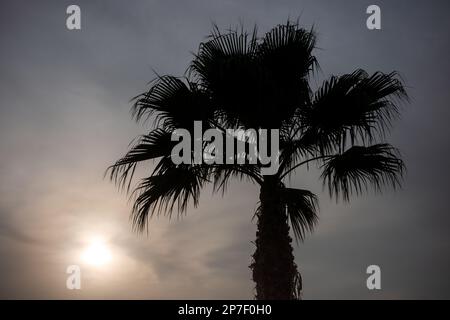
[64, 117]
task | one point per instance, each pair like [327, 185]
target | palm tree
[240, 80]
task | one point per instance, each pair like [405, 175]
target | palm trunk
[274, 269]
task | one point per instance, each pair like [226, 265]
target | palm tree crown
[240, 80]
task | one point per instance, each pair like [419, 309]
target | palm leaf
[160, 192]
[354, 107]
[360, 167]
[154, 145]
[222, 174]
[174, 103]
[301, 207]
[225, 66]
[287, 51]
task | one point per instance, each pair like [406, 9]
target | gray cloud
[64, 117]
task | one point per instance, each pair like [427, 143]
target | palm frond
[358, 168]
[154, 145]
[159, 193]
[221, 175]
[225, 67]
[354, 108]
[294, 150]
[174, 103]
[219, 51]
[287, 51]
[249, 77]
[285, 60]
[301, 206]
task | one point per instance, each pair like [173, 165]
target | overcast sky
[64, 117]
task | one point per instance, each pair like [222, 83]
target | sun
[97, 254]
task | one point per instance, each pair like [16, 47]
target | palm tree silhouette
[240, 80]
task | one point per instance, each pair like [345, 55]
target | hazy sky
[64, 117]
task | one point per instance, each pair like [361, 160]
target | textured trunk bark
[274, 269]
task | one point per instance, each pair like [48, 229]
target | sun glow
[97, 253]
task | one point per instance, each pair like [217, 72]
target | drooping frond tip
[359, 168]
[158, 194]
[301, 207]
